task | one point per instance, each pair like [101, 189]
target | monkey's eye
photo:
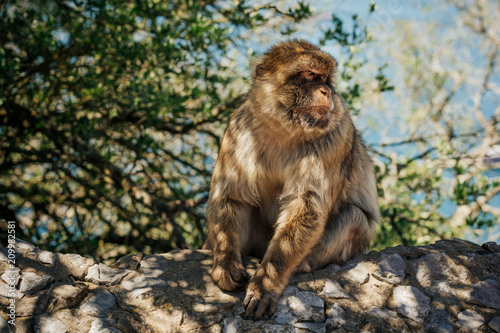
[309, 75]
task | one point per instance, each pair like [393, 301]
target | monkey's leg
[229, 224]
[299, 227]
[347, 233]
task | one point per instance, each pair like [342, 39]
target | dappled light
[112, 115]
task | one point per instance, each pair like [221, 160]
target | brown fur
[293, 183]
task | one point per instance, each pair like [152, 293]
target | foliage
[112, 113]
[436, 175]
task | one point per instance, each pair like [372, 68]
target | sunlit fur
[292, 185]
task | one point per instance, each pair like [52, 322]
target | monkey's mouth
[313, 116]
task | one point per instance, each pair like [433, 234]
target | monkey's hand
[259, 301]
[229, 274]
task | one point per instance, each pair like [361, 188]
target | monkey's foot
[230, 275]
[259, 302]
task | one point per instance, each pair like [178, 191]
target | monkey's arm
[227, 219]
[299, 227]
[229, 212]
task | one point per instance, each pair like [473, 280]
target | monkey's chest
[270, 191]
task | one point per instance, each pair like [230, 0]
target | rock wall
[449, 286]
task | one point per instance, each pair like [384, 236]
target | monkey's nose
[323, 97]
[324, 92]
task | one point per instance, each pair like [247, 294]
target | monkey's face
[309, 97]
[298, 77]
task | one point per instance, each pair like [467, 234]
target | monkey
[293, 183]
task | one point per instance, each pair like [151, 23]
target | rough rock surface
[450, 286]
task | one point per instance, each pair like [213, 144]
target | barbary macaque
[293, 183]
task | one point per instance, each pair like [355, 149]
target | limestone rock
[470, 319]
[487, 293]
[438, 266]
[31, 305]
[12, 276]
[491, 246]
[131, 261]
[382, 313]
[154, 266]
[449, 286]
[336, 316]
[47, 257]
[99, 304]
[391, 268]
[440, 322]
[100, 273]
[332, 289]
[283, 313]
[270, 328]
[307, 306]
[32, 282]
[23, 247]
[66, 295]
[76, 265]
[358, 273]
[45, 323]
[495, 324]
[232, 324]
[7, 292]
[102, 326]
[411, 302]
[310, 327]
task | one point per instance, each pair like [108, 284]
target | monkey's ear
[260, 67]
[259, 70]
